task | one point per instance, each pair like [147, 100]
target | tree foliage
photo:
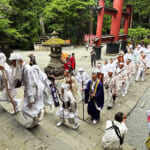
[67, 17]
[137, 34]
[19, 19]
[6, 28]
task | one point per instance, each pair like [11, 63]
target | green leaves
[6, 28]
[68, 17]
[137, 34]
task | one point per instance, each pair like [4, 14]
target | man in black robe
[94, 96]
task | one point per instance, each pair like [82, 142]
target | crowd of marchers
[114, 76]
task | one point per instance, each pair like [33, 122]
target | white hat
[64, 86]
[121, 63]
[80, 69]
[15, 56]
[99, 64]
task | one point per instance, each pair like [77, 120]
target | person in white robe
[128, 55]
[143, 48]
[136, 53]
[129, 67]
[47, 97]
[82, 79]
[72, 81]
[121, 77]
[68, 110]
[110, 140]
[112, 65]
[98, 68]
[105, 68]
[115, 61]
[111, 88]
[147, 53]
[11, 88]
[33, 89]
[141, 64]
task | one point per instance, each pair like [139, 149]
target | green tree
[26, 21]
[137, 34]
[6, 29]
[70, 17]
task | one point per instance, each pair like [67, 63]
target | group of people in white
[120, 71]
[73, 89]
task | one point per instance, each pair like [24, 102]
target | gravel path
[137, 123]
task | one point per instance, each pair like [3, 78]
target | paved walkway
[137, 123]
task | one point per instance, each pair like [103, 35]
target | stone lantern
[55, 66]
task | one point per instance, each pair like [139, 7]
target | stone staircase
[14, 136]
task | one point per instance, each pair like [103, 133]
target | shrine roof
[110, 9]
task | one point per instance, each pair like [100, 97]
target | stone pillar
[98, 52]
[113, 48]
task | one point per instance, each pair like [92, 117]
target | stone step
[73, 138]
[48, 140]
[13, 136]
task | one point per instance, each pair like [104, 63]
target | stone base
[112, 48]
[57, 71]
[98, 52]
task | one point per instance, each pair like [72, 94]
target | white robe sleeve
[30, 82]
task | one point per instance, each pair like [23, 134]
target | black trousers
[92, 111]
[93, 62]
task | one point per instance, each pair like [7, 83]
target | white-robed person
[115, 132]
[105, 68]
[136, 53]
[82, 79]
[128, 55]
[121, 77]
[141, 64]
[130, 69]
[98, 68]
[68, 110]
[11, 88]
[147, 52]
[111, 65]
[33, 89]
[111, 87]
[47, 94]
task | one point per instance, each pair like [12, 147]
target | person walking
[93, 58]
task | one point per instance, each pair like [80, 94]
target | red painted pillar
[127, 20]
[100, 21]
[116, 20]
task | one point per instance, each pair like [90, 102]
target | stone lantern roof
[55, 41]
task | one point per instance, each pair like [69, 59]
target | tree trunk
[91, 22]
[131, 18]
